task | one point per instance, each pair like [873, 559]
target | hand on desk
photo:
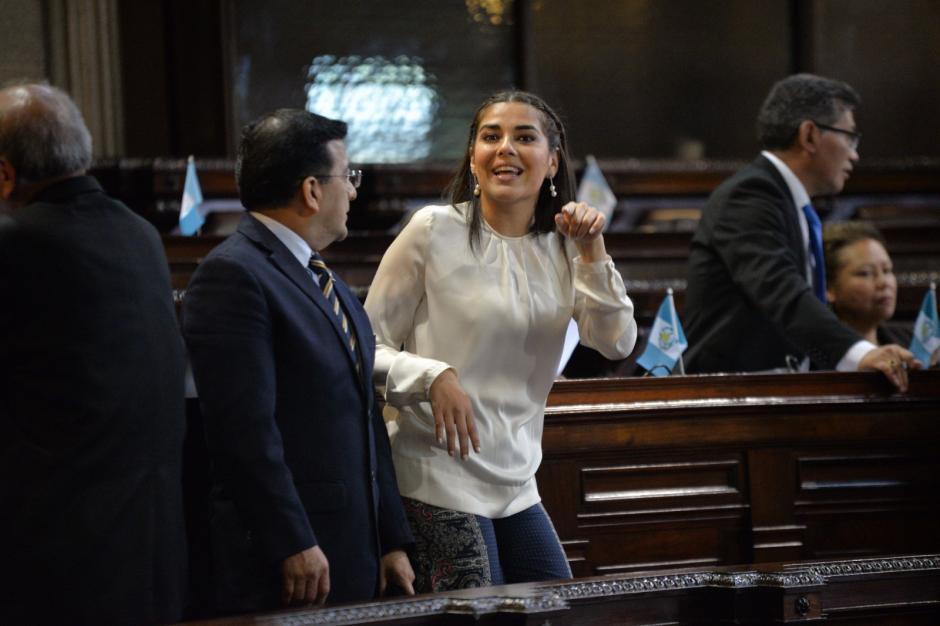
[893, 361]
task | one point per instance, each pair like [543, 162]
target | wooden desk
[642, 476]
[713, 470]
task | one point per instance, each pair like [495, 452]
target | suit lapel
[794, 234]
[287, 263]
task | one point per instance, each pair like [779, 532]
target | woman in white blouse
[470, 306]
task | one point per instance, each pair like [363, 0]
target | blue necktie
[325, 280]
[815, 245]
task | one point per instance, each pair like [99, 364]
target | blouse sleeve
[602, 309]
[394, 297]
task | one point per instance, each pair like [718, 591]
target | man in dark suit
[756, 288]
[306, 502]
[91, 386]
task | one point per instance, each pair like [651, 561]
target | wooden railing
[899, 591]
[153, 187]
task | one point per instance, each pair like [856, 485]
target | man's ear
[7, 179]
[310, 195]
[807, 136]
[830, 295]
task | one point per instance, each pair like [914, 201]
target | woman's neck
[512, 221]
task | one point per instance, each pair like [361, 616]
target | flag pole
[675, 326]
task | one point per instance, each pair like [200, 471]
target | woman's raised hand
[584, 225]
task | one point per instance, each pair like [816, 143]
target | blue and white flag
[595, 191]
[666, 342]
[191, 218]
[926, 328]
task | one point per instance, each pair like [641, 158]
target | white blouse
[497, 316]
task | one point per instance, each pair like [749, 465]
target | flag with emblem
[595, 191]
[191, 218]
[927, 328]
[666, 341]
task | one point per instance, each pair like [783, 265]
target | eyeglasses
[353, 176]
[854, 136]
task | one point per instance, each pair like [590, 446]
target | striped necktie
[325, 280]
[815, 246]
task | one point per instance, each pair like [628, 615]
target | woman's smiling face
[511, 156]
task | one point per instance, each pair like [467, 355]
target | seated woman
[860, 282]
[470, 306]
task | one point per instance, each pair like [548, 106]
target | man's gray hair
[798, 98]
[42, 132]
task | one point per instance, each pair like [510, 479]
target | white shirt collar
[299, 248]
[797, 190]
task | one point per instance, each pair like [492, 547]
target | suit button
[372, 474]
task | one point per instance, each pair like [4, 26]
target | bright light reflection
[390, 106]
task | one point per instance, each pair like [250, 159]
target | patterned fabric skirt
[450, 552]
[455, 550]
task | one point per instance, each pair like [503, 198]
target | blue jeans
[523, 547]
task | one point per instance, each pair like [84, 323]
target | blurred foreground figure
[91, 386]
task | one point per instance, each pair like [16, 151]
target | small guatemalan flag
[666, 342]
[191, 218]
[926, 328]
[595, 191]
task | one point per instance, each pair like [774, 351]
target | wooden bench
[649, 263]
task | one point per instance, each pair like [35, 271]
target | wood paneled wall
[632, 79]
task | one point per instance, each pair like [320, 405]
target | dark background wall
[633, 78]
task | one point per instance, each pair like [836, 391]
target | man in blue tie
[305, 504]
[756, 289]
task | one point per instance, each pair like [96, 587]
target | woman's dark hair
[838, 235]
[461, 187]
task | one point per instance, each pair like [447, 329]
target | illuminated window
[390, 105]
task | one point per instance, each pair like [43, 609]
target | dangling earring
[551, 187]
[476, 188]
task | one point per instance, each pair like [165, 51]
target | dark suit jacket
[748, 304]
[300, 451]
[91, 415]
